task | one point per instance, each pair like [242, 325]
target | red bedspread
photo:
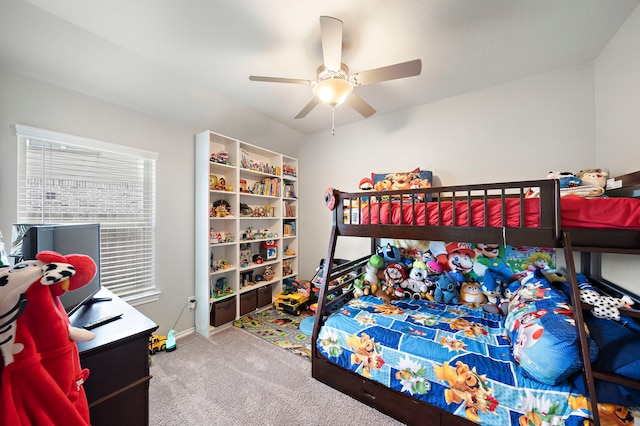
[576, 212]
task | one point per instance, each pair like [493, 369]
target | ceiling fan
[334, 85]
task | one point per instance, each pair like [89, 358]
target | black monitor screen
[29, 240]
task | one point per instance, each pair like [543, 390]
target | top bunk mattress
[575, 212]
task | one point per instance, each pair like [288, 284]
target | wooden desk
[118, 362]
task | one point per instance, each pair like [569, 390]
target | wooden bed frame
[588, 242]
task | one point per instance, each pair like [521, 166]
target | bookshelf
[246, 228]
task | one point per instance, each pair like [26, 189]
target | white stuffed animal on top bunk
[585, 183]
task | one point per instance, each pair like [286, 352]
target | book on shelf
[289, 210]
[289, 229]
[289, 191]
[288, 170]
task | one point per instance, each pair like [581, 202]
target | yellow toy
[292, 303]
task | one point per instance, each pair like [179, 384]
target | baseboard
[185, 333]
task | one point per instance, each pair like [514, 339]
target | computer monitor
[29, 239]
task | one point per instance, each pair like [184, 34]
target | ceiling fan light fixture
[333, 91]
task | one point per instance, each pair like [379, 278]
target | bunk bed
[355, 363]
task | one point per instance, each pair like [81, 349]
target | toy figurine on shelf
[246, 278]
[248, 234]
[213, 182]
[223, 157]
[287, 268]
[245, 254]
[268, 273]
[221, 208]
[269, 249]
[221, 211]
[222, 184]
[221, 288]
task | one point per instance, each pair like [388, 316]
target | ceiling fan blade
[357, 103]
[280, 80]
[391, 72]
[307, 109]
[331, 34]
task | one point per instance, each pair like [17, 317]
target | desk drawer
[126, 408]
[115, 368]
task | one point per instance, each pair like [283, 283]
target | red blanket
[576, 212]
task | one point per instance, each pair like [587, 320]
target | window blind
[67, 179]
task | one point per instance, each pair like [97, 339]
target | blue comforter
[454, 357]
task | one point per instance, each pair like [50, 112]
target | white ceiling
[171, 57]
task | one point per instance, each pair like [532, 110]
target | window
[68, 179]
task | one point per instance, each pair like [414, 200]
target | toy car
[292, 303]
[157, 343]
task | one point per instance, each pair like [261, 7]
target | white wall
[617, 100]
[515, 131]
[32, 102]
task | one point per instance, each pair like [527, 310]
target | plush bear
[595, 178]
[584, 171]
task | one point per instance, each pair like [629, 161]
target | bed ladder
[589, 380]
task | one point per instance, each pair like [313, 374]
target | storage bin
[248, 302]
[223, 312]
[264, 296]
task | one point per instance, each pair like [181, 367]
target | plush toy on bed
[446, 290]
[567, 179]
[416, 286]
[595, 177]
[586, 183]
[606, 307]
[368, 282]
[42, 377]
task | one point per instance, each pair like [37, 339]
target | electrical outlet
[191, 301]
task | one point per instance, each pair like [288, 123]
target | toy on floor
[171, 341]
[157, 343]
[295, 297]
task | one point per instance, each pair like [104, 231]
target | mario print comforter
[455, 357]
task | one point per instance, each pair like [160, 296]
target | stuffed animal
[394, 276]
[470, 293]
[606, 307]
[567, 179]
[371, 271]
[446, 290]
[595, 178]
[386, 293]
[582, 172]
[360, 288]
[366, 184]
[41, 377]
[416, 285]
[389, 253]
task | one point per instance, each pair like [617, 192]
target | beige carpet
[235, 378]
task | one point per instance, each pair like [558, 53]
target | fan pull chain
[333, 121]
